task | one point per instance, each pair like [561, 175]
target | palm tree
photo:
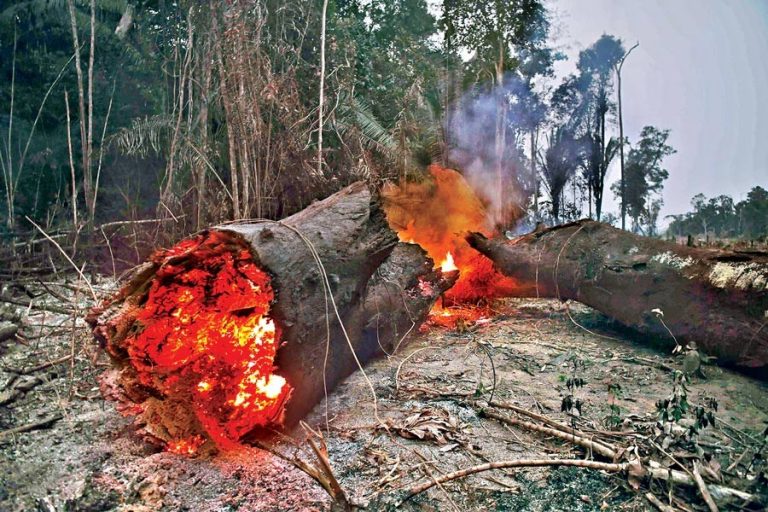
[559, 164]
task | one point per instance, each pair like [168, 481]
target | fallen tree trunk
[716, 298]
[380, 290]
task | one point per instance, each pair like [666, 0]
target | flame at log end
[435, 214]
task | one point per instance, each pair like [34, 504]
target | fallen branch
[656, 502]
[552, 423]
[522, 463]
[718, 492]
[121, 223]
[703, 488]
[31, 426]
[579, 440]
[42, 366]
[33, 305]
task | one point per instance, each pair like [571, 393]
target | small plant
[704, 416]
[673, 408]
[676, 407]
[614, 416]
[570, 403]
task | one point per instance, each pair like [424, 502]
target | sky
[701, 70]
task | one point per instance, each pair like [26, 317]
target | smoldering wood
[382, 290]
[715, 298]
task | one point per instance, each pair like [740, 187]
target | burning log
[715, 298]
[233, 329]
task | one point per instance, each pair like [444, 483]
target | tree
[559, 164]
[596, 65]
[617, 68]
[753, 213]
[720, 215]
[703, 211]
[644, 179]
[498, 33]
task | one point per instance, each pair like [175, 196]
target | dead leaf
[436, 425]
[635, 473]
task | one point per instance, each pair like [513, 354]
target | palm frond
[354, 112]
[144, 136]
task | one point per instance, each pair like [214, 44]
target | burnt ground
[429, 396]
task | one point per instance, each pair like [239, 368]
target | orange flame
[448, 265]
[435, 214]
[207, 339]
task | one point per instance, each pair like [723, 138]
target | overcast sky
[701, 70]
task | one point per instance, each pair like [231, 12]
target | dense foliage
[722, 217]
[207, 111]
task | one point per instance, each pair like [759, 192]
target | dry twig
[31, 426]
[41, 366]
[522, 463]
[656, 502]
[324, 475]
[703, 488]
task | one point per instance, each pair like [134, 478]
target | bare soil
[427, 397]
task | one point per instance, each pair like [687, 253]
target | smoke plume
[483, 131]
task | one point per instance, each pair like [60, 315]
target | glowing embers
[459, 318]
[207, 341]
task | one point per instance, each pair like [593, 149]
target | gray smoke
[479, 150]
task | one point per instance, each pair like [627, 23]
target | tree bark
[716, 298]
[381, 289]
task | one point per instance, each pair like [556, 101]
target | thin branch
[31, 426]
[71, 163]
[80, 272]
[521, 463]
[322, 91]
[101, 147]
[703, 488]
[39, 114]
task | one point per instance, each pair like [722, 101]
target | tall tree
[559, 164]
[530, 105]
[645, 178]
[618, 66]
[753, 213]
[596, 65]
[497, 33]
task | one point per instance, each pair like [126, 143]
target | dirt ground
[426, 421]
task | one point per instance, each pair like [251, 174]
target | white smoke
[479, 150]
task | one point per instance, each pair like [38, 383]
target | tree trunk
[382, 291]
[719, 299]
[621, 155]
[534, 176]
